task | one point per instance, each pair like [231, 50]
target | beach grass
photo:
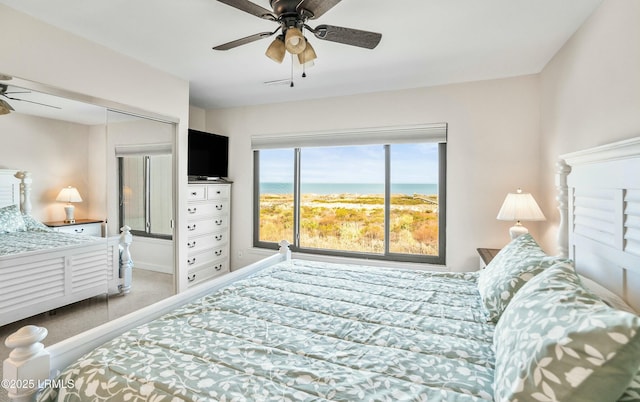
[354, 222]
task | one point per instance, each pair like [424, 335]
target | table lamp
[519, 207]
[69, 195]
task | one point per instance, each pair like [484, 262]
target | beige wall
[590, 92]
[27, 143]
[492, 149]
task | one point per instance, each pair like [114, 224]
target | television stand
[209, 179]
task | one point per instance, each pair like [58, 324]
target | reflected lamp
[69, 195]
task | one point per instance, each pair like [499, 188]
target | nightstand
[486, 255]
[89, 227]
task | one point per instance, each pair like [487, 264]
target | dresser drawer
[207, 256]
[207, 226]
[207, 244]
[89, 229]
[217, 192]
[208, 271]
[202, 210]
[197, 193]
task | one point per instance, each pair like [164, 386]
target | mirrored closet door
[67, 139]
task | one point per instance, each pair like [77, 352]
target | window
[372, 200]
[145, 194]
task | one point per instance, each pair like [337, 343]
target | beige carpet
[147, 288]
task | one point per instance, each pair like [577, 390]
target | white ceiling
[424, 43]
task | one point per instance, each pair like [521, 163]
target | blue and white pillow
[34, 225]
[557, 341]
[11, 220]
[517, 263]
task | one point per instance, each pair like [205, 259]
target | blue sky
[410, 163]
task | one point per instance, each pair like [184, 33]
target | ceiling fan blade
[317, 7]
[243, 41]
[348, 36]
[251, 8]
[37, 103]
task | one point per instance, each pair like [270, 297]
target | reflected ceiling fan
[292, 16]
[5, 107]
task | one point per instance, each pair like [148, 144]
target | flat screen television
[208, 156]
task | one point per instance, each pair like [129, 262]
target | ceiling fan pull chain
[303, 55]
[291, 72]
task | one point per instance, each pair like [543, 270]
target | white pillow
[607, 296]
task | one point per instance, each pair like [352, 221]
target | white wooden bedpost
[126, 262]
[27, 367]
[562, 190]
[25, 191]
[284, 249]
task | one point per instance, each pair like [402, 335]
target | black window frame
[440, 259]
[148, 232]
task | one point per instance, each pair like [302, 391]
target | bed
[41, 269]
[529, 327]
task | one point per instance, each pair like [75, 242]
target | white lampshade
[520, 207]
[69, 195]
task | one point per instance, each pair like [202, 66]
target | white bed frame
[599, 203]
[38, 281]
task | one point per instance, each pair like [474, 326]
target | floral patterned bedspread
[303, 331]
[21, 242]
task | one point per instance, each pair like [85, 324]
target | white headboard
[15, 188]
[599, 202]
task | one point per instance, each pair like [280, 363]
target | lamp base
[69, 210]
[517, 230]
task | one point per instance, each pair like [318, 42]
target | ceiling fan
[292, 16]
[5, 107]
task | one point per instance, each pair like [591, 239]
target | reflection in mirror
[64, 141]
[140, 195]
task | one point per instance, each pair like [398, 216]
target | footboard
[120, 262]
[30, 366]
[36, 282]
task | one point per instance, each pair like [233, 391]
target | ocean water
[350, 188]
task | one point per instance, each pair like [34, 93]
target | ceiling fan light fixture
[276, 50]
[5, 108]
[308, 55]
[294, 41]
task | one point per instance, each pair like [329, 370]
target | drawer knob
[218, 222]
[79, 230]
[191, 261]
[218, 237]
[191, 277]
[191, 244]
[193, 193]
[218, 253]
[191, 227]
[192, 210]
[219, 207]
[218, 267]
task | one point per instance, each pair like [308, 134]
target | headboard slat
[603, 212]
[9, 188]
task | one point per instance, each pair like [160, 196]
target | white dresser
[208, 230]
